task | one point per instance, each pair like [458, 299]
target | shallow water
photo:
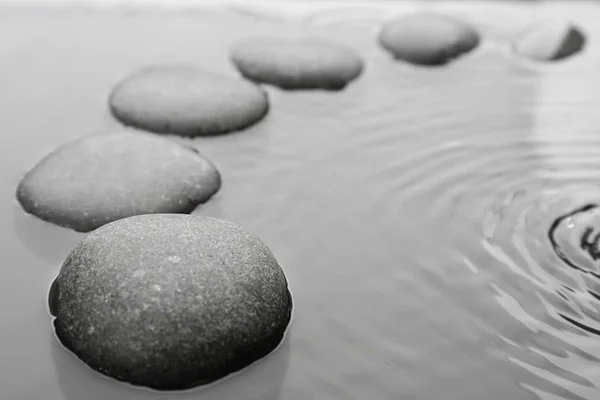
[412, 212]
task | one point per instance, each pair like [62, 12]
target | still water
[438, 226]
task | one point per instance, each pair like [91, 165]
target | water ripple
[533, 233]
[410, 211]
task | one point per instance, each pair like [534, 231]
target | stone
[100, 178]
[187, 101]
[426, 38]
[550, 40]
[296, 63]
[170, 301]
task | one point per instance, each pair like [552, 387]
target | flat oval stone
[186, 101]
[170, 301]
[100, 178]
[549, 41]
[426, 38]
[297, 63]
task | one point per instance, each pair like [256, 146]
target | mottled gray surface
[99, 178]
[297, 62]
[170, 301]
[427, 38]
[550, 40]
[187, 101]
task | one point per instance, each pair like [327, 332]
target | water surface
[411, 212]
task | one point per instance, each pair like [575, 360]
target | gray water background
[410, 211]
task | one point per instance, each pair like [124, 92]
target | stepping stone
[551, 40]
[100, 178]
[186, 101]
[297, 63]
[425, 38]
[170, 301]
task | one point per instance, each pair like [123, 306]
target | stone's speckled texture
[170, 301]
[100, 178]
[549, 41]
[427, 38]
[297, 63]
[187, 101]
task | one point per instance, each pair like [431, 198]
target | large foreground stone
[100, 178]
[170, 301]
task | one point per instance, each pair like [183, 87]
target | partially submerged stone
[297, 63]
[550, 40]
[426, 38]
[187, 101]
[170, 301]
[100, 178]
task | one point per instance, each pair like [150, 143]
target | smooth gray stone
[550, 40]
[170, 301]
[297, 63]
[426, 38]
[100, 178]
[187, 101]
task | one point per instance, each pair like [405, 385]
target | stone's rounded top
[170, 301]
[187, 101]
[297, 62]
[427, 38]
[549, 40]
[100, 178]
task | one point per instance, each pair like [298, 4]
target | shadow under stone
[260, 381]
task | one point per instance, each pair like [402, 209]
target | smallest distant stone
[550, 40]
[426, 38]
[297, 63]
